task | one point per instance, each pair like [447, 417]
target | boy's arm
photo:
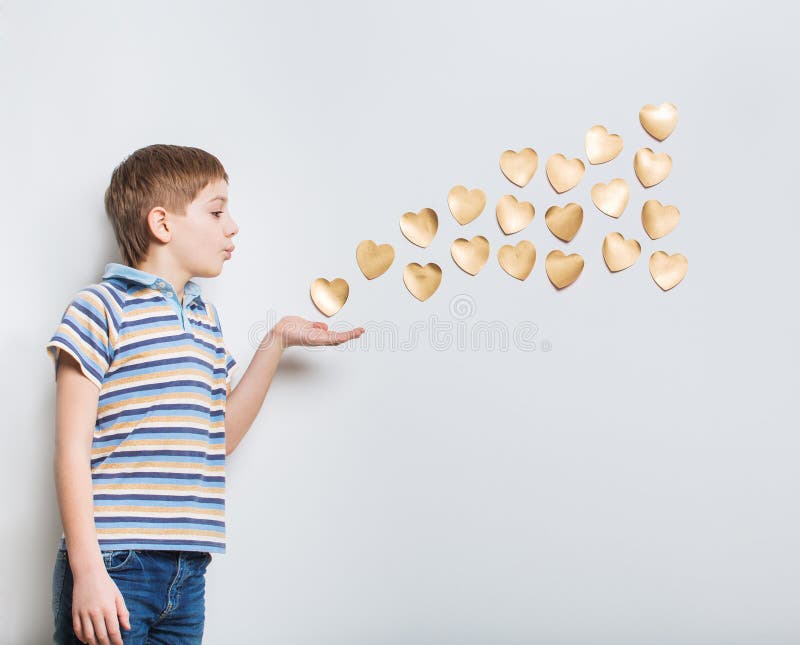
[244, 401]
[98, 608]
[76, 414]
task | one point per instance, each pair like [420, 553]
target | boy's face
[200, 241]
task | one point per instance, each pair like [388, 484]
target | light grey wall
[637, 483]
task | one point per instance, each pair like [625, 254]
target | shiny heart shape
[374, 260]
[420, 228]
[620, 253]
[329, 297]
[611, 198]
[602, 146]
[422, 281]
[562, 269]
[466, 205]
[562, 173]
[668, 270]
[519, 167]
[658, 220]
[564, 222]
[651, 168]
[513, 215]
[517, 260]
[470, 255]
[659, 121]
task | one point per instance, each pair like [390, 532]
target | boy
[145, 413]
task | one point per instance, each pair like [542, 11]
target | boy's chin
[210, 271]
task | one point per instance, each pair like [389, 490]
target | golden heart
[420, 228]
[329, 297]
[517, 260]
[659, 220]
[651, 168]
[659, 121]
[602, 146]
[668, 270]
[564, 173]
[470, 255]
[620, 253]
[374, 260]
[466, 205]
[611, 198]
[422, 281]
[512, 215]
[564, 222]
[520, 166]
[562, 269]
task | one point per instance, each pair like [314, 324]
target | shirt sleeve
[84, 333]
[230, 366]
[230, 362]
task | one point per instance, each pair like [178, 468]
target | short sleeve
[84, 333]
[230, 361]
[230, 366]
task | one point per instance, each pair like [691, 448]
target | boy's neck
[175, 277]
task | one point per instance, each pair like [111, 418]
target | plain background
[631, 479]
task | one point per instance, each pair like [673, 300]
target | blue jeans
[164, 592]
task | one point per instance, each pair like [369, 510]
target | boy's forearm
[246, 398]
[76, 503]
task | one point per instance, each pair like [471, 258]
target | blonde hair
[158, 175]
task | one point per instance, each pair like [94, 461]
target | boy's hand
[98, 609]
[294, 330]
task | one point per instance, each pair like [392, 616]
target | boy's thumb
[122, 612]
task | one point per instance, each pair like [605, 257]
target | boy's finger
[77, 627]
[86, 627]
[100, 633]
[112, 629]
[122, 612]
[347, 335]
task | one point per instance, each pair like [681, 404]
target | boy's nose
[233, 229]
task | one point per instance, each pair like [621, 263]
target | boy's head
[163, 203]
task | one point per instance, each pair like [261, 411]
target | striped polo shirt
[158, 447]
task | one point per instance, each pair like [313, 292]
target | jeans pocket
[118, 559]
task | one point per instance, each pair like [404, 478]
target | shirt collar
[191, 290]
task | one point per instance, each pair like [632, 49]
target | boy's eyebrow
[224, 199]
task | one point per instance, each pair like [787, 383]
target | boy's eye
[217, 213]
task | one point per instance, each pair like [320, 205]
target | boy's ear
[159, 224]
